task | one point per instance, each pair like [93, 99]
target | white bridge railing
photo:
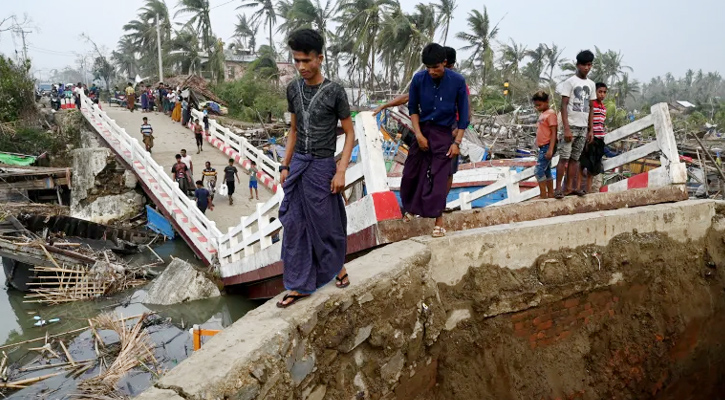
[249, 246]
[239, 144]
[671, 171]
[196, 228]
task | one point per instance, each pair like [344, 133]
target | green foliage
[16, 90]
[250, 95]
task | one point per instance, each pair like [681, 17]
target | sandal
[294, 297]
[407, 217]
[341, 284]
[580, 192]
[558, 194]
[439, 231]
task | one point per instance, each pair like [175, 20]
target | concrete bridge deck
[170, 138]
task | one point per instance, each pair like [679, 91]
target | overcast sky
[655, 36]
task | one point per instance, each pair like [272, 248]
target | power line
[223, 4]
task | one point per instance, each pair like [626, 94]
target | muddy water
[171, 336]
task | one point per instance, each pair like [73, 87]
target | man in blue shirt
[436, 94]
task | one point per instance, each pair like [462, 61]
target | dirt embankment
[640, 318]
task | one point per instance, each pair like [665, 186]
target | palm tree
[185, 51]
[200, 17]
[535, 67]
[141, 36]
[154, 8]
[553, 55]
[124, 57]
[246, 31]
[608, 66]
[479, 40]
[625, 89]
[361, 20]
[511, 57]
[266, 11]
[445, 14]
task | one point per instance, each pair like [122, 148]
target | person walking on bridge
[435, 95]
[312, 212]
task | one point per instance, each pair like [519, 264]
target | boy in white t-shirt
[577, 95]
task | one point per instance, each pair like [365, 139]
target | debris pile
[198, 86]
[114, 360]
[135, 351]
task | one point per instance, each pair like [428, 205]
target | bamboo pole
[67, 354]
[25, 382]
[47, 366]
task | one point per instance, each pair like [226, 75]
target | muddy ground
[656, 334]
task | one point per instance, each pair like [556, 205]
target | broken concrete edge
[267, 351]
[269, 332]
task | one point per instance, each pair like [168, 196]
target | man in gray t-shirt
[317, 108]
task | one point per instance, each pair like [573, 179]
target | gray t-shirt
[317, 109]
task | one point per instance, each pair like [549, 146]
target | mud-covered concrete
[631, 309]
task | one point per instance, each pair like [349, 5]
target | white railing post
[665, 134]
[370, 142]
[513, 192]
[246, 233]
[264, 240]
[233, 241]
[465, 198]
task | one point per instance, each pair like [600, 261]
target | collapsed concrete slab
[617, 303]
[102, 191]
[180, 282]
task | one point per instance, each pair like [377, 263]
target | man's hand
[568, 137]
[378, 109]
[283, 175]
[590, 137]
[422, 142]
[453, 151]
[338, 182]
[550, 153]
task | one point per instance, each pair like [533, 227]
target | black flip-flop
[580, 193]
[340, 282]
[295, 298]
[558, 194]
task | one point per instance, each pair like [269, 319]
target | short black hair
[306, 41]
[254, 163]
[178, 156]
[200, 183]
[231, 160]
[540, 96]
[183, 150]
[601, 85]
[433, 54]
[585, 57]
[450, 55]
[145, 118]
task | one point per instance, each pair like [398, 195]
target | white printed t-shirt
[580, 92]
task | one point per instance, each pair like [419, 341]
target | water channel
[170, 334]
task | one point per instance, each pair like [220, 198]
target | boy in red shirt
[546, 141]
[592, 158]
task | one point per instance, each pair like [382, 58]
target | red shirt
[600, 115]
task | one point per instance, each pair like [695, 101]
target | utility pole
[158, 43]
[22, 34]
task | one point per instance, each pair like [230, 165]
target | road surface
[169, 139]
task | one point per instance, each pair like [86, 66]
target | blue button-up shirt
[438, 103]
